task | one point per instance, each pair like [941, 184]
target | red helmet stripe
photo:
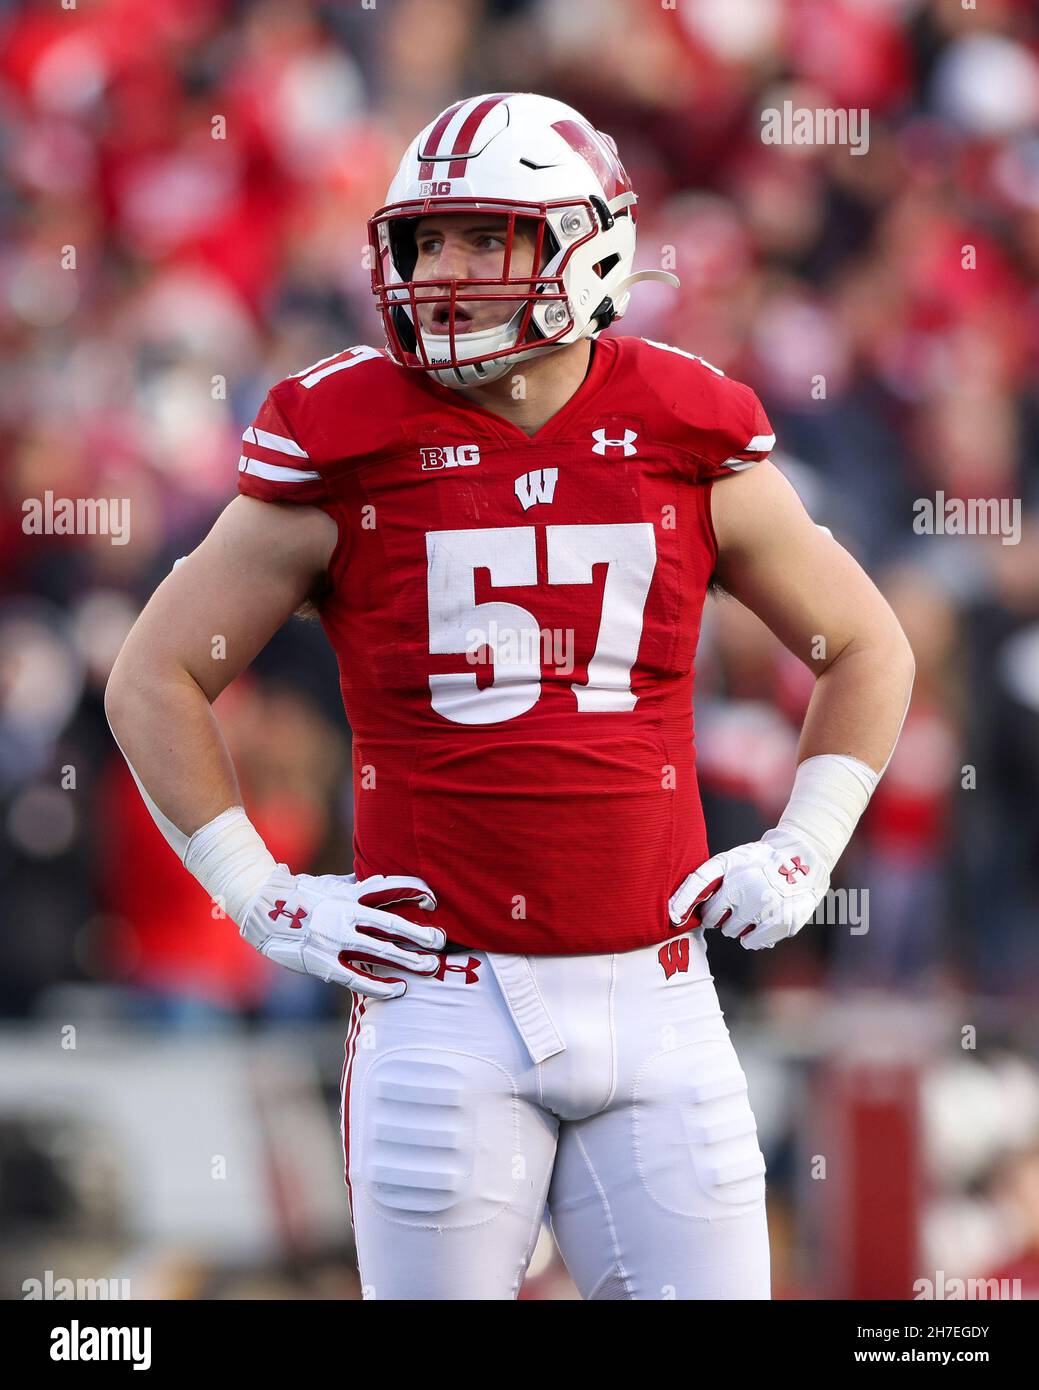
[432, 146]
[467, 132]
[597, 154]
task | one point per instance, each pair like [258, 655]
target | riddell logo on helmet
[434, 190]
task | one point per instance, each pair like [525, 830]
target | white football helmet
[513, 155]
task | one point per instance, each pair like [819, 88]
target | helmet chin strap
[664, 277]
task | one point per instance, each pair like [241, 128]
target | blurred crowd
[185, 190]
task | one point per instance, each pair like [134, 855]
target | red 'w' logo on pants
[674, 956]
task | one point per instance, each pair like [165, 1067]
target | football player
[508, 524]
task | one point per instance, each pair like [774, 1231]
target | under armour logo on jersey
[469, 969]
[602, 443]
[538, 486]
[450, 456]
[674, 957]
[279, 910]
[798, 868]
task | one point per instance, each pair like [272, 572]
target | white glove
[319, 924]
[762, 892]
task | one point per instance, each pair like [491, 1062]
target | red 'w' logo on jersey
[674, 957]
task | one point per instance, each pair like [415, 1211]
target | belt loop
[525, 1003]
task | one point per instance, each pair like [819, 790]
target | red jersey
[515, 619]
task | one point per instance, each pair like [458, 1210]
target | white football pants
[604, 1089]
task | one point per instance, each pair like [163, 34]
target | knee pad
[696, 1140]
[435, 1139]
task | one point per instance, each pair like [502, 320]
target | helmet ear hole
[602, 268]
[403, 251]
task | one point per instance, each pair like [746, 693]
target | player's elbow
[883, 646]
[128, 687]
[895, 655]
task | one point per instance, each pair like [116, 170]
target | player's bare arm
[823, 607]
[258, 564]
[818, 601]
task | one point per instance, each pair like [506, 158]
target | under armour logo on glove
[798, 867]
[760, 892]
[347, 928]
[279, 910]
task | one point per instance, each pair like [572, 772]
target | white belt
[529, 1012]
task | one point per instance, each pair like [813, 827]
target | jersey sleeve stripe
[295, 376]
[355, 357]
[279, 443]
[756, 451]
[276, 472]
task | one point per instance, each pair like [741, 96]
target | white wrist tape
[831, 791]
[230, 860]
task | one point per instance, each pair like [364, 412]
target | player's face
[464, 247]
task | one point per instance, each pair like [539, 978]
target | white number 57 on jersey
[509, 553]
